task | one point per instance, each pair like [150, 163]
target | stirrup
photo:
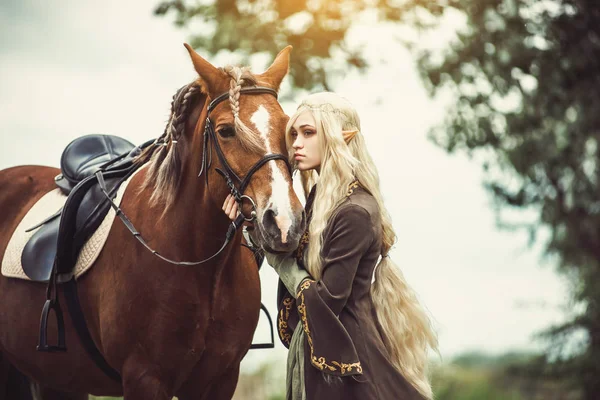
[43, 345]
[52, 304]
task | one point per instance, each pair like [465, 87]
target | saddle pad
[50, 203]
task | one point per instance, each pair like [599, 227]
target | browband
[251, 90]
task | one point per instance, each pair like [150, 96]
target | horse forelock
[242, 77]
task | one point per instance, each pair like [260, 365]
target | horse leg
[144, 386]
[13, 384]
[142, 381]
[45, 393]
[16, 386]
[223, 388]
[209, 381]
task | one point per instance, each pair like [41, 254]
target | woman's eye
[308, 132]
[293, 134]
[227, 131]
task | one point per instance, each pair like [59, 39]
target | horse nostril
[283, 229]
[269, 223]
[277, 225]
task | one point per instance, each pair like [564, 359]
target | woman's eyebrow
[302, 126]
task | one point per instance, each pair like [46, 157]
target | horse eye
[226, 131]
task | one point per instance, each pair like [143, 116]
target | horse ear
[279, 69]
[209, 74]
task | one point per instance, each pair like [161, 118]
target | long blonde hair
[407, 330]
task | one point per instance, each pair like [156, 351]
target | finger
[225, 202]
[230, 204]
[233, 212]
[231, 200]
[225, 205]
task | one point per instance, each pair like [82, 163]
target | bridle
[228, 174]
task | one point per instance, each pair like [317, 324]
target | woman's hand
[230, 207]
[290, 273]
[279, 261]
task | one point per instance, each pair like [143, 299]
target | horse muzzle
[281, 233]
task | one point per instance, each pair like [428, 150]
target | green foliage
[525, 77]
[316, 29]
[482, 360]
[477, 376]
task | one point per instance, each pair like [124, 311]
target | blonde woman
[348, 338]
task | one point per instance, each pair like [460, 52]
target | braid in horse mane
[241, 76]
[164, 171]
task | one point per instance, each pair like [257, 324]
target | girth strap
[76, 313]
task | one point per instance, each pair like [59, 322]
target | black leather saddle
[62, 236]
[86, 155]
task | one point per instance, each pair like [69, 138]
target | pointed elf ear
[348, 135]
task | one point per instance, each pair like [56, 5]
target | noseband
[229, 175]
[231, 178]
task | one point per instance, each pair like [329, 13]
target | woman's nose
[297, 144]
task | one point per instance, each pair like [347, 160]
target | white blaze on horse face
[280, 200]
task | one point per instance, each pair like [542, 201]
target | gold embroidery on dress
[320, 362]
[351, 187]
[284, 315]
[302, 244]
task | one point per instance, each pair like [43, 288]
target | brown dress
[344, 354]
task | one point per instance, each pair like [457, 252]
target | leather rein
[237, 185]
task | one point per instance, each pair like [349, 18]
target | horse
[168, 330]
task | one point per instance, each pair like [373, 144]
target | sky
[69, 68]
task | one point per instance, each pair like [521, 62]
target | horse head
[244, 125]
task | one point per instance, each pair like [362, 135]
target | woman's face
[307, 150]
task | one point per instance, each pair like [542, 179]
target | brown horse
[168, 330]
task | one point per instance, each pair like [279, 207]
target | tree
[525, 75]
[316, 29]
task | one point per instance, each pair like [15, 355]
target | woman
[348, 338]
